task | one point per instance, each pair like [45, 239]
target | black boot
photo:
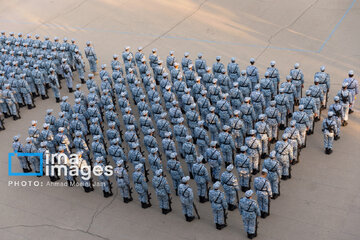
[330, 150]
[263, 214]
[57, 100]
[16, 117]
[7, 115]
[82, 80]
[351, 111]
[232, 207]
[263, 155]
[144, 205]
[191, 175]
[345, 123]
[337, 137]
[71, 90]
[189, 219]
[218, 226]
[176, 192]
[250, 235]
[29, 106]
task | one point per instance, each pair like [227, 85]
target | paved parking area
[321, 201]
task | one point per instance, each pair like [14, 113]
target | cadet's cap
[61, 148]
[33, 122]
[46, 125]
[168, 87]
[185, 179]
[214, 80]
[154, 150]
[77, 100]
[336, 98]
[267, 74]
[165, 74]
[322, 68]
[235, 84]
[96, 137]
[345, 84]
[226, 127]
[64, 98]
[257, 86]
[188, 137]
[199, 159]
[296, 65]
[200, 55]
[252, 132]
[264, 170]
[134, 145]
[43, 144]
[187, 90]
[120, 162]
[16, 138]
[316, 80]
[181, 120]
[203, 92]
[351, 73]
[201, 123]
[288, 77]
[218, 58]
[173, 155]
[330, 114]
[230, 168]
[252, 60]
[61, 114]
[272, 154]
[243, 148]
[285, 136]
[28, 139]
[262, 116]
[281, 90]
[211, 108]
[213, 143]
[154, 50]
[111, 124]
[88, 43]
[301, 107]
[167, 134]
[247, 99]
[130, 127]
[216, 185]
[272, 63]
[248, 193]
[236, 112]
[308, 92]
[78, 133]
[151, 130]
[208, 69]
[115, 141]
[138, 167]
[186, 54]
[292, 123]
[94, 120]
[158, 172]
[272, 103]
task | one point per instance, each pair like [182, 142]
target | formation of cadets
[196, 119]
[30, 67]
